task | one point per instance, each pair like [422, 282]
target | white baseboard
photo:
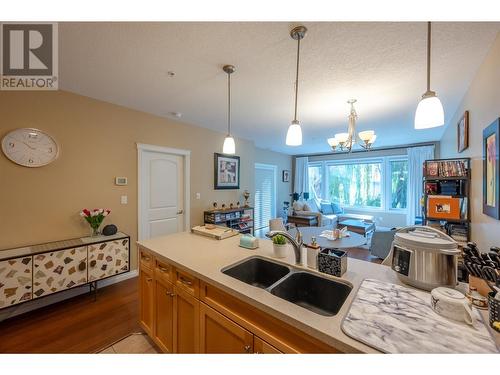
[38, 303]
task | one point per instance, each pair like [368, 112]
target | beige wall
[98, 142]
[482, 100]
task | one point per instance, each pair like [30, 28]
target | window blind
[265, 195]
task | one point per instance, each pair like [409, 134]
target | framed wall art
[226, 172]
[491, 170]
[286, 176]
[463, 132]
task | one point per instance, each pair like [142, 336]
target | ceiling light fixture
[294, 133]
[229, 146]
[345, 141]
[430, 113]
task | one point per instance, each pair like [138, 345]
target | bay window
[372, 184]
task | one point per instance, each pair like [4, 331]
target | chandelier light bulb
[366, 135]
[342, 137]
[333, 142]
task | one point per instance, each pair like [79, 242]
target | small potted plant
[279, 246]
[94, 218]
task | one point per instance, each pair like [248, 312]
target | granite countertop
[205, 257]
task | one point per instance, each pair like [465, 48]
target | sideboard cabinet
[37, 271]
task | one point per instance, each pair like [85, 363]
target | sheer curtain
[416, 158]
[301, 175]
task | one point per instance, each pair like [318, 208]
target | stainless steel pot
[425, 257]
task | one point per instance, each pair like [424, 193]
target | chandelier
[344, 141]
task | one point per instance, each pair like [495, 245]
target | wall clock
[30, 147]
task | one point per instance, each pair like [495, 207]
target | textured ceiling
[380, 64]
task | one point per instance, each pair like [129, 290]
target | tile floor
[135, 343]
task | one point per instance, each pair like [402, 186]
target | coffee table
[354, 239]
[357, 226]
[303, 220]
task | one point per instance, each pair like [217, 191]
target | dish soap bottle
[312, 253]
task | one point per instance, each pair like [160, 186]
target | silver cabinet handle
[149, 279]
[180, 212]
[247, 348]
[163, 269]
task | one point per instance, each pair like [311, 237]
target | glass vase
[94, 232]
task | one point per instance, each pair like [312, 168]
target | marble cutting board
[396, 319]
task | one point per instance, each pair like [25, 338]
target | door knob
[180, 212]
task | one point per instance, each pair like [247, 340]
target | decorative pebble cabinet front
[37, 271]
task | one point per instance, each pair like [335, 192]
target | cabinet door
[262, 347]
[15, 281]
[219, 334]
[108, 258]
[186, 322]
[146, 289]
[164, 315]
[59, 270]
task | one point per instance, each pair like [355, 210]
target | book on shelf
[445, 168]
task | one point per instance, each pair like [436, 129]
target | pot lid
[427, 240]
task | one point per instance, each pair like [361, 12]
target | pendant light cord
[228, 104]
[297, 79]
[428, 56]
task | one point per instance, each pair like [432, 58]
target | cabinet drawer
[59, 270]
[15, 281]
[163, 271]
[187, 282]
[108, 259]
[146, 258]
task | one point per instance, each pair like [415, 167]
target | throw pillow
[313, 205]
[306, 207]
[337, 209]
[298, 206]
[326, 208]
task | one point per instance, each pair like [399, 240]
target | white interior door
[265, 194]
[162, 193]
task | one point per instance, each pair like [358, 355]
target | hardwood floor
[77, 325]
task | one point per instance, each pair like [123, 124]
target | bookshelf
[446, 197]
[241, 219]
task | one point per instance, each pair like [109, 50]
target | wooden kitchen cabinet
[186, 322]
[147, 302]
[262, 347]
[219, 334]
[164, 315]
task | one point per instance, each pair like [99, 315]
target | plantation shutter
[265, 195]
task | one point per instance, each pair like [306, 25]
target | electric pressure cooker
[424, 257]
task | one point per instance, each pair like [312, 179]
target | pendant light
[229, 147]
[294, 134]
[429, 112]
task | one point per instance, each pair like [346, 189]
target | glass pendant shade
[333, 142]
[366, 135]
[372, 139]
[294, 134]
[229, 146]
[342, 137]
[430, 113]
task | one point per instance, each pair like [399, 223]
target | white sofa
[312, 208]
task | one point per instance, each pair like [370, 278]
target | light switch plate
[124, 199]
[198, 196]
